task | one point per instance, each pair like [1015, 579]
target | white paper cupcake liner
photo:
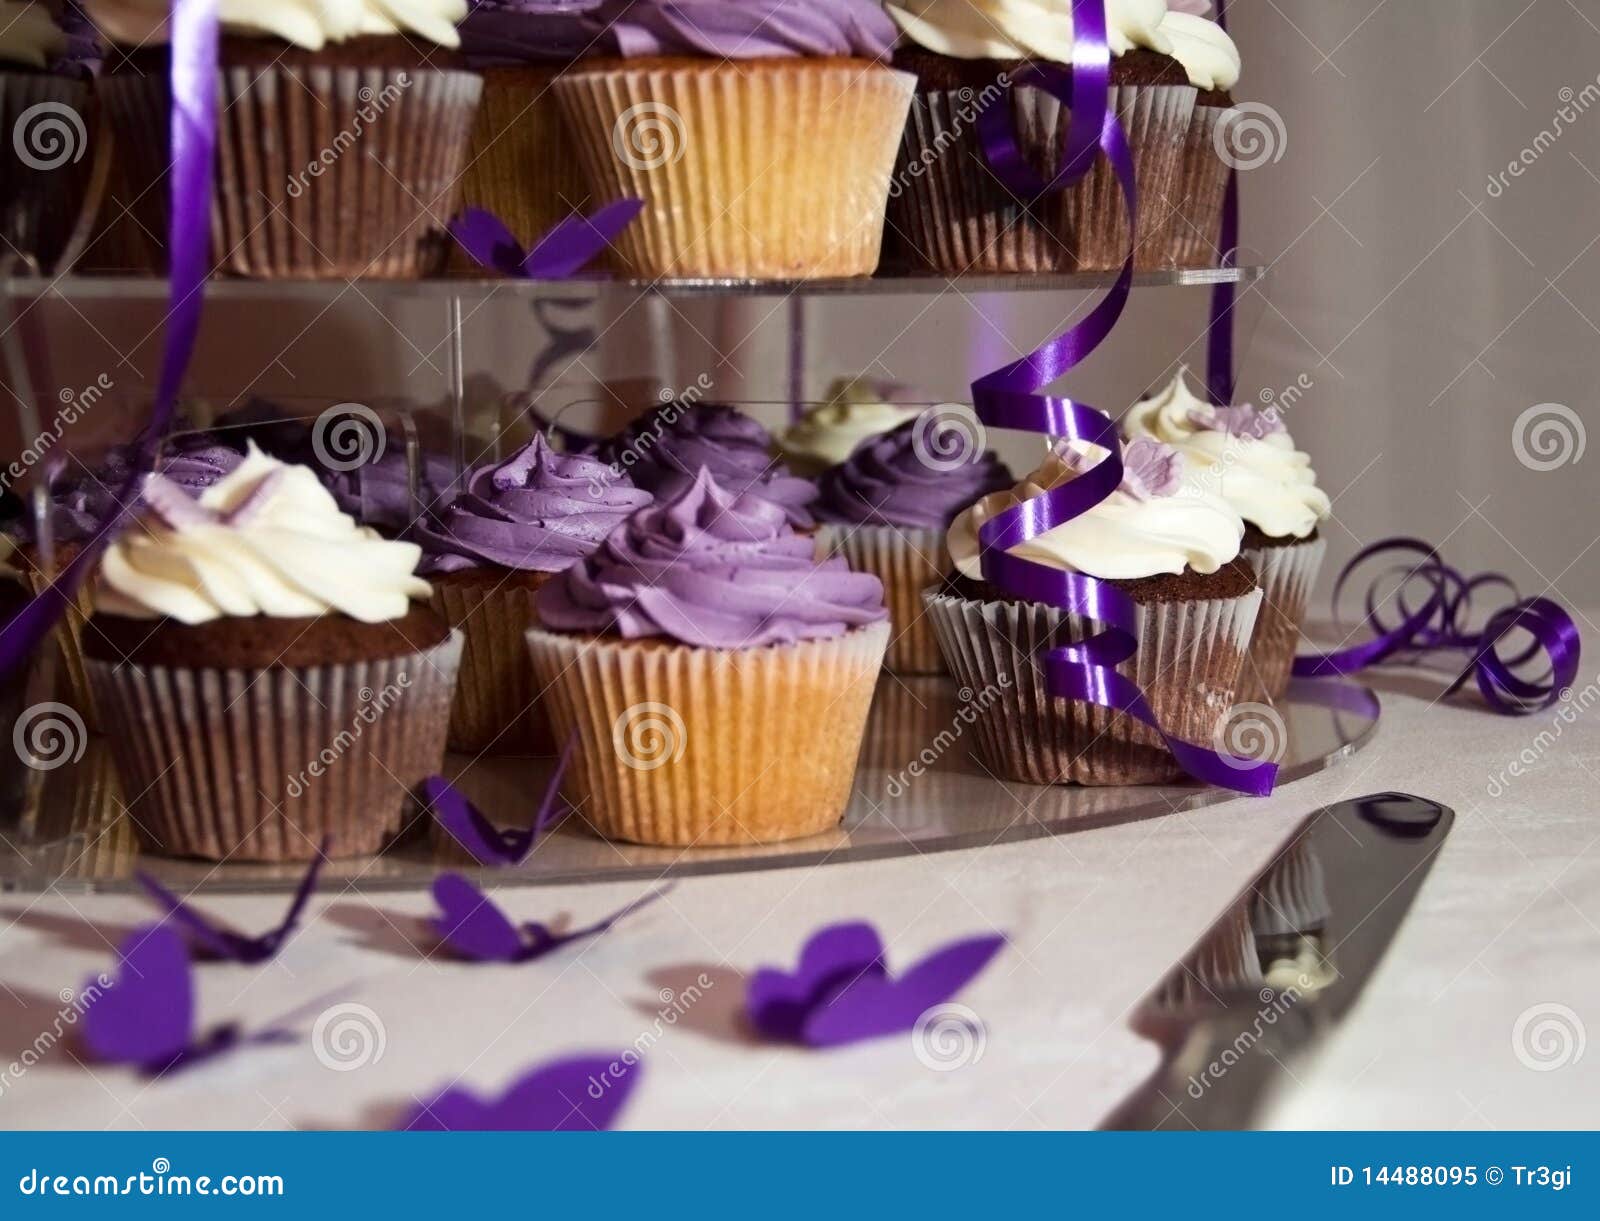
[496, 707]
[259, 765]
[1187, 665]
[1199, 187]
[1287, 576]
[907, 561]
[689, 746]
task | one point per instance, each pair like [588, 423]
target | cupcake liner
[1286, 575]
[1293, 898]
[259, 765]
[1187, 665]
[388, 145]
[46, 125]
[1225, 963]
[688, 746]
[496, 709]
[907, 562]
[949, 213]
[68, 638]
[774, 169]
[1201, 184]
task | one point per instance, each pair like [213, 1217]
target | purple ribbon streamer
[1220, 377]
[1010, 397]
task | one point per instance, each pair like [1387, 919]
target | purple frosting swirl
[527, 31]
[378, 494]
[886, 482]
[537, 511]
[747, 29]
[711, 568]
[666, 449]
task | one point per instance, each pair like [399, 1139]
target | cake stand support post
[456, 373]
[797, 355]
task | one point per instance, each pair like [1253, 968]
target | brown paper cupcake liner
[496, 708]
[47, 128]
[776, 169]
[688, 746]
[1201, 184]
[259, 765]
[948, 212]
[1286, 575]
[1187, 666]
[321, 172]
[68, 639]
[907, 562]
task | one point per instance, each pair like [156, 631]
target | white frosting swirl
[1267, 481]
[1204, 49]
[1121, 538]
[857, 408]
[305, 23]
[29, 35]
[1023, 29]
[290, 555]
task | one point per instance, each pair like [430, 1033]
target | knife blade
[1284, 964]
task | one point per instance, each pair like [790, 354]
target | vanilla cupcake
[857, 409]
[1160, 539]
[1248, 458]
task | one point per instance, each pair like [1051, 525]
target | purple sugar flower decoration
[1241, 421]
[1150, 469]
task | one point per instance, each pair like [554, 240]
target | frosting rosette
[539, 510]
[266, 540]
[1246, 456]
[528, 31]
[889, 481]
[747, 29]
[1158, 521]
[665, 450]
[1023, 29]
[857, 408]
[310, 24]
[1203, 47]
[715, 568]
[379, 493]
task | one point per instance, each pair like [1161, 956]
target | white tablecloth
[1508, 920]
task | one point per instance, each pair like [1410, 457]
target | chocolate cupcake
[1166, 543]
[716, 675]
[949, 213]
[665, 450]
[269, 672]
[341, 133]
[515, 525]
[886, 509]
[1212, 62]
[1248, 458]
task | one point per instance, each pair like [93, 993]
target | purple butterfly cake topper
[481, 840]
[578, 1094]
[476, 929]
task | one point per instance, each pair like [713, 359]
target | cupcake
[1163, 541]
[760, 133]
[516, 524]
[1247, 458]
[1212, 62]
[857, 408]
[378, 494]
[269, 672]
[717, 676]
[45, 119]
[341, 132]
[949, 213]
[664, 451]
[886, 508]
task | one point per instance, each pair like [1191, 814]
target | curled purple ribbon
[1440, 623]
[1219, 334]
[1010, 397]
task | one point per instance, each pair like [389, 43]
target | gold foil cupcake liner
[907, 562]
[260, 765]
[690, 746]
[1187, 665]
[496, 708]
[770, 169]
[1287, 576]
[322, 172]
[1201, 184]
[949, 213]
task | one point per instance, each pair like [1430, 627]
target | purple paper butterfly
[477, 835]
[146, 1017]
[219, 942]
[558, 254]
[473, 925]
[581, 1094]
[842, 991]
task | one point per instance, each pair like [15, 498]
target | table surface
[1508, 923]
